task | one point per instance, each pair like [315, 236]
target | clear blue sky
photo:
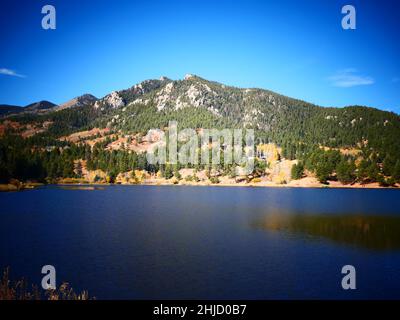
[297, 48]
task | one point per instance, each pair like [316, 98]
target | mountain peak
[84, 99]
[87, 96]
[40, 105]
[189, 76]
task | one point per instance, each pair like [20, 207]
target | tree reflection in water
[373, 232]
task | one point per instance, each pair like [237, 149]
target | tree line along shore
[81, 164]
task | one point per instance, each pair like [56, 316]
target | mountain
[33, 107]
[275, 117]
[85, 99]
[41, 105]
[201, 103]
[36, 107]
[8, 109]
[333, 143]
[121, 98]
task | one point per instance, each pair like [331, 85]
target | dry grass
[21, 290]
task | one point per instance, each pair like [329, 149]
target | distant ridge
[41, 105]
[8, 109]
[80, 101]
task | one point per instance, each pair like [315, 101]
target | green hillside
[306, 132]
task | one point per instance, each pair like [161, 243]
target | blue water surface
[175, 242]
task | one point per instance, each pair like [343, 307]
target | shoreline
[266, 186]
[98, 186]
[248, 185]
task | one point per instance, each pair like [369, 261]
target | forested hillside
[348, 144]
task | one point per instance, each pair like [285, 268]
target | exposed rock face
[164, 96]
[113, 100]
[188, 76]
[194, 95]
[168, 94]
[139, 101]
[145, 86]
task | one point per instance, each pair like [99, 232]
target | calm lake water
[145, 242]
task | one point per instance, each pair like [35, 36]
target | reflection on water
[366, 231]
[80, 187]
[149, 242]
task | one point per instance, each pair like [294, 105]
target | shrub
[177, 175]
[297, 171]
[214, 180]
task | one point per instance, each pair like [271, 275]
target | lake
[175, 242]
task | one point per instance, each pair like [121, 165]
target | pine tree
[345, 171]
[297, 171]
[168, 172]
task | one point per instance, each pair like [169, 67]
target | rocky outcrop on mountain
[143, 88]
[188, 76]
[133, 95]
[112, 100]
[243, 105]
